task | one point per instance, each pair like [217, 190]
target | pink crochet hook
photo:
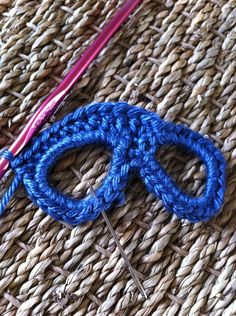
[52, 102]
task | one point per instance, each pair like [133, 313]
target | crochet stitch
[134, 135]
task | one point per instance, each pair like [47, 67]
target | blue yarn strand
[9, 193]
[134, 135]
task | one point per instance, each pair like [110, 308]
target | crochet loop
[134, 135]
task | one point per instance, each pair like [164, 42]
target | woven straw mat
[176, 58]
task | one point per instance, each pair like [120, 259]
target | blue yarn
[134, 135]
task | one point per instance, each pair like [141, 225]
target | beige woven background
[176, 58]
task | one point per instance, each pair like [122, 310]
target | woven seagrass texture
[175, 58]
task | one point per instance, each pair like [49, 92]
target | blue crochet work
[134, 135]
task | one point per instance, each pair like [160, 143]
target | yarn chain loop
[134, 135]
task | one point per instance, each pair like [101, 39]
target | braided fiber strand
[134, 135]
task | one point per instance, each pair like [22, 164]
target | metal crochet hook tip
[52, 102]
[132, 271]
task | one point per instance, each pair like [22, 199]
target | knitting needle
[132, 271]
[52, 102]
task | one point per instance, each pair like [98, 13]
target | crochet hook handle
[52, 102]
